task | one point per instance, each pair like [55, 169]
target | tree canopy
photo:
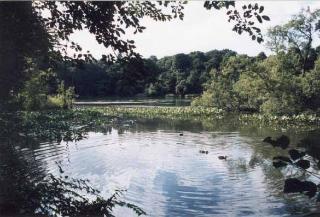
[283, 83]
[296, 36]
[39, 31]
[180, 74]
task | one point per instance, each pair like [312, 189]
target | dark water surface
[165, 174]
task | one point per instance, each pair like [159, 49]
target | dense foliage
[180, 74]
[39, 31]
[284, 83]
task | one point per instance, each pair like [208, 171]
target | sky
[201, 30]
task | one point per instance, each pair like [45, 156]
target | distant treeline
[179, 74]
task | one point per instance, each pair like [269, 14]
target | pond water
[162, 169]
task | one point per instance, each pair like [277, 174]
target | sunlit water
[164, 173]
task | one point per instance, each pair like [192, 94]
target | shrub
[280, 106]
[36, 93]
[206, 99]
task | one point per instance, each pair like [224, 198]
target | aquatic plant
[161, 112]
[299, 161]
[46, 194]
[209, 114]
[299, 120]
[53, 125]
[69, 197]
[52, 195]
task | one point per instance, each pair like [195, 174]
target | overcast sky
[201, 30]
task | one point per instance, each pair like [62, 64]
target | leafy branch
[298, 160]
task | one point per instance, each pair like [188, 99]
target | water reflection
[27, 186]
[164, 173]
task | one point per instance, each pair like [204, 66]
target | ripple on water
[165, 174]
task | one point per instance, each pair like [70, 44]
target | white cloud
[201, 30]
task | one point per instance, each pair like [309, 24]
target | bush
[206, 99]
[154, 89]
[286, 105]
[275, 86]
[34, 94]
[65, 97]
[37, 93]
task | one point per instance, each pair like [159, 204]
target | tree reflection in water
[26, 189]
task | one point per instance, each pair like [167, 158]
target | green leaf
[295, 155]
[259, 40]
[283, 141]
[304, 164]
[293, 185]
[278, 164]
[261, 9]
[259, 18]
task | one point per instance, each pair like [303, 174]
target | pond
[171, 168]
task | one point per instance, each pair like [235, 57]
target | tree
[109, 20]
[285, 83]
[219, 90]
[181, 88]
[22, 35]
[297, 35]
[181, 62]
[311, 87]
[261, 56]
[53, 22]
